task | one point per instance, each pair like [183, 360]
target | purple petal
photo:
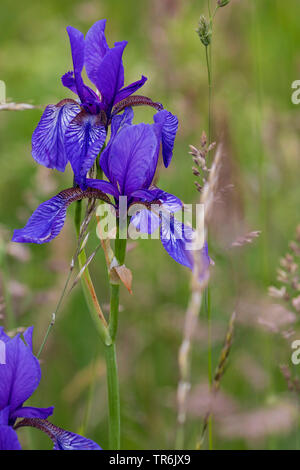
[4, 415]
[91, 101]
[117, 123]
[77, 48]
[27, 335]
[63, 440]
[32, 412]
[133, 158]
[169, 126]
[110, 76]
[104, 186]
[66, 440]
[95, 49]
[20, 376]
[48, 137]
[175, 238]
[3, 335]
[170, 202]
[145, 221]
[129, 90]
[84, 131]
[9, 439]
[45, 223]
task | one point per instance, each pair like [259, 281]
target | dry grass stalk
[17, 106]
[246, 239]
[223, 359]
[198, 285]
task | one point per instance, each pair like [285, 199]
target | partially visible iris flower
[19, 378]
[75, 131]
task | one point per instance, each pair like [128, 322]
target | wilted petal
[20, 376]
[9, 439]
[129, 90]
[32, 412]
[132, 158]
[169, 126]
[48, 137]
[84, 139]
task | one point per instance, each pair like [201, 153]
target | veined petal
[45, 223]
[110, 76]
[63, 440]
[9, 439]
[175, 237]
[48, 219]
[84, 139]
[145, 220]
[117, 123]
[129, 90]
[32, 412]
[48, 137]
[169, 127]
[19, 376]
[95, 49]
[133, 158]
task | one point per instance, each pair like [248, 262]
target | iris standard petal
[19, 376]
[48, 138]
[129, 90]
[9, 439]
[169, 126]
[77, 49]
[84, 131]
[110, 75]
[95, 49]
[133, 158]
[117, 123]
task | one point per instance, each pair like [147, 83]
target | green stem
[113, 397]
[111, 358]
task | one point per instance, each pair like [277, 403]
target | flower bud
[223, 3]
[204, 31]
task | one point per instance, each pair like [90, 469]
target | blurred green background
[256, 58]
